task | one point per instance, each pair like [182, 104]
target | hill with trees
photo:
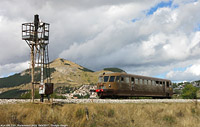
[64, 73]
[113, 69]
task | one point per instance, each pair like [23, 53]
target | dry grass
[103, 115]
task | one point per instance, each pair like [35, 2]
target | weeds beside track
[100, 115]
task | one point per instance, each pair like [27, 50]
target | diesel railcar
[116, 85]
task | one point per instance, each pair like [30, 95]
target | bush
[82, 97]
[56, 96]
[189, 92]
[28, 95]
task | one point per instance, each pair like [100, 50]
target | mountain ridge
[63, 73]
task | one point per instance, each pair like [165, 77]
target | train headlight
[109, 85]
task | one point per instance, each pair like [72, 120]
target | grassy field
[103, 115]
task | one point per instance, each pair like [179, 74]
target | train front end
[107, 85]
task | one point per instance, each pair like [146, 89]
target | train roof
[132, 75]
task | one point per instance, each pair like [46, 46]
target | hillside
[64, 73]
[71, 73]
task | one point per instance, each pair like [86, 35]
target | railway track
[122, 101]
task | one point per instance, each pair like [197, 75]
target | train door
[132, 83]
[164, 86]
[167, 88]
[121, 82]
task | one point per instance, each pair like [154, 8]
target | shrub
[189, 92]
[80, 113]
[111, 113]
[28, 95]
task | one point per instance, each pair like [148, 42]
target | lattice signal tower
[36, 35]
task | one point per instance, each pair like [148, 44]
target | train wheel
[114, 97]
[101, 96]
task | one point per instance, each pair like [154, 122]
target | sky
[158, 38]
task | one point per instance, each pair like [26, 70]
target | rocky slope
[71, 73]
[63, 73]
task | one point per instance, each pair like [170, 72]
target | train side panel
[118, 85]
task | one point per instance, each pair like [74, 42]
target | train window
[153, 83]
[132, 80]
[149, 82]
[112, 78]
[117, 79]
[105, 78]
[161, 83]
[100, 79]
[136, 81]
[122, 79]
[141, 82]
[126, 79]
[157, 83]
[167, 84]
[145, 82]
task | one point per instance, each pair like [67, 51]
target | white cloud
[99, 34]
[190, 74]
[11, 68]
[12, 47]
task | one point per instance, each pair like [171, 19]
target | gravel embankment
[14, 101]
[76, 101]
[125, 100]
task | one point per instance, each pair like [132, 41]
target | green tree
[189, 92]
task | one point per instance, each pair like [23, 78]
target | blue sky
[159, 5]
[197, 28]
[168, 4]
[178, 69]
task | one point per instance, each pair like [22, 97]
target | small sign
[42, 89]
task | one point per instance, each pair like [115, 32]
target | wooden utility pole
[32, 72]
